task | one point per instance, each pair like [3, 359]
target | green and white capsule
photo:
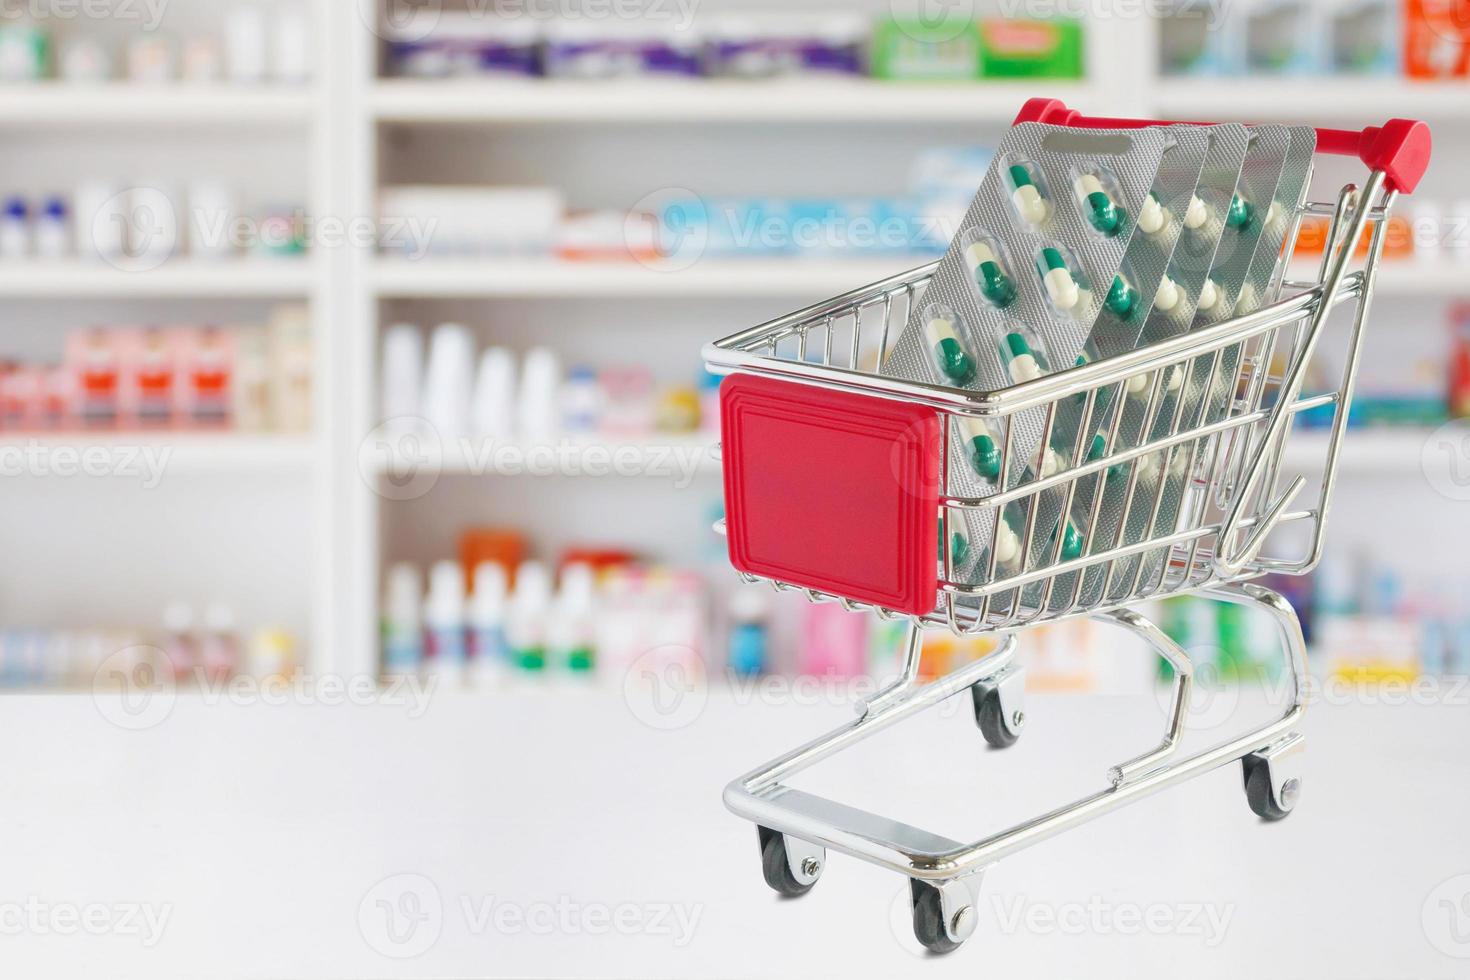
[1167, 298]
[990, 274]
[1102, 212]
[1051, 463]
[1071, 542]
[950, 356]
[1007, 543]
[1026, 197]
[1197, 215]
[1122, 298]
[1152, 218]
[1056, 277]
[1240, 213]
[980, 448]
[1098, 450]
[1247, 299]
[1022, 363]
[959, 547]
[1209, 297]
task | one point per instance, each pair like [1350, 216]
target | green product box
[1031, 49]
[912, 50]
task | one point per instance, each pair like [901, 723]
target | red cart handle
[1400, 147]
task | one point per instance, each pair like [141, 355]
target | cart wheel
[929, 926]
[990, 716]
[776, 864]
[1260, 790]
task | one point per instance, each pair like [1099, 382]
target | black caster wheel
[1260, 793]
[990, 716]
[930, 928]
[776, 865]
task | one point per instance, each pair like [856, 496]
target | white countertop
[560, 835]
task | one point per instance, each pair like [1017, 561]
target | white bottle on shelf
[448, 380]
[291, 50]
[403, 632]
[525, 627]
[15, 230]
[402, 375]
[245, 45]
[538, 409]
[489, 657]
[211, 207]
[53, 230]
[444, 622]
[153, 225]
[493, 413]
[101, 220]
[570, 629]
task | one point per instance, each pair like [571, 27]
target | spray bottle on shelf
[403, 637]
[444, 622]
[525, 629]
[569, 633]
[488, 654]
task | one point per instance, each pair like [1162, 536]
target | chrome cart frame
[1237, 496]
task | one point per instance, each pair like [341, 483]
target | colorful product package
[95, 360]
[207, 360]
[1031, 48]
[1012, 299]
[909, 49]
[1436, 39]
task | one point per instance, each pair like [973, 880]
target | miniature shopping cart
[837, 486]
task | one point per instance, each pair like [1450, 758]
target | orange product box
[1437, 39]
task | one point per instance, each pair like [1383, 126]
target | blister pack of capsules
[1258, 222]
[1080, 245]
[1016, 295]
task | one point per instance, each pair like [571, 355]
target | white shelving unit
[193, 453]
[817, 103]
[244, 518]
[362, 132]
[260, 278]
[61, 104]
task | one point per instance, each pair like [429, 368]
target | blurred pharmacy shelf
[708, 101]
[63, 104]
[176, 453]
[653, 456]
[1382, 452]
[268, 278]
[402, 278]
[1360, 101]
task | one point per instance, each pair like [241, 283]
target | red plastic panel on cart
[833, 491]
